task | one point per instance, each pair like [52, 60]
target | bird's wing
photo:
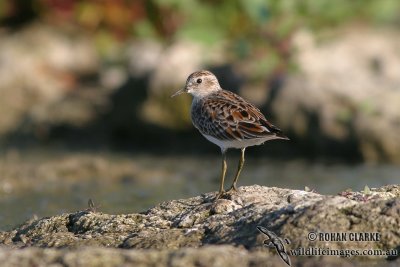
[227, 116]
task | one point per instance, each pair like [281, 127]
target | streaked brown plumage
[227, 116]
[226, 119]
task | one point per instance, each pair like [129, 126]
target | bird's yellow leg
[240, 167]
[224, 166]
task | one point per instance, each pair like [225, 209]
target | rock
[224, 206]
[209, 255]
[199, 232]
[344, 99]
[206, 256]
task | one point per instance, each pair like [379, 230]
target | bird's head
[200, 84]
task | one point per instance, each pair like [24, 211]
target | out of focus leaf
[89, 14]
[144, 29]
[256, 9]
[206, 35]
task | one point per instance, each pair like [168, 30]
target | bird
[227, 120]
[277, 242]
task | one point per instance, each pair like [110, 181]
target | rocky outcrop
[200, 232]
[210, 255]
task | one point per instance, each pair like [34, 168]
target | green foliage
[251, 30]
[222, 19]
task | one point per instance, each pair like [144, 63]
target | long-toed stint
[226, 119]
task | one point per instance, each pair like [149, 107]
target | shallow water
[50, 183]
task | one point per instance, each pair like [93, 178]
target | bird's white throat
[199, 94]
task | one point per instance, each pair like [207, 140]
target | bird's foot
[233, 189]
[220, 195]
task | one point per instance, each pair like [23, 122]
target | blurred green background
[85, 110]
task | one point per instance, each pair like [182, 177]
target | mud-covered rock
[209, 255]
[172, 227]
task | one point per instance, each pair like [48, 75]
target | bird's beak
[179, 92]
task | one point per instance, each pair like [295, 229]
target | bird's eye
[199, 80]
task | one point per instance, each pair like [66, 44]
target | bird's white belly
[225, 144]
